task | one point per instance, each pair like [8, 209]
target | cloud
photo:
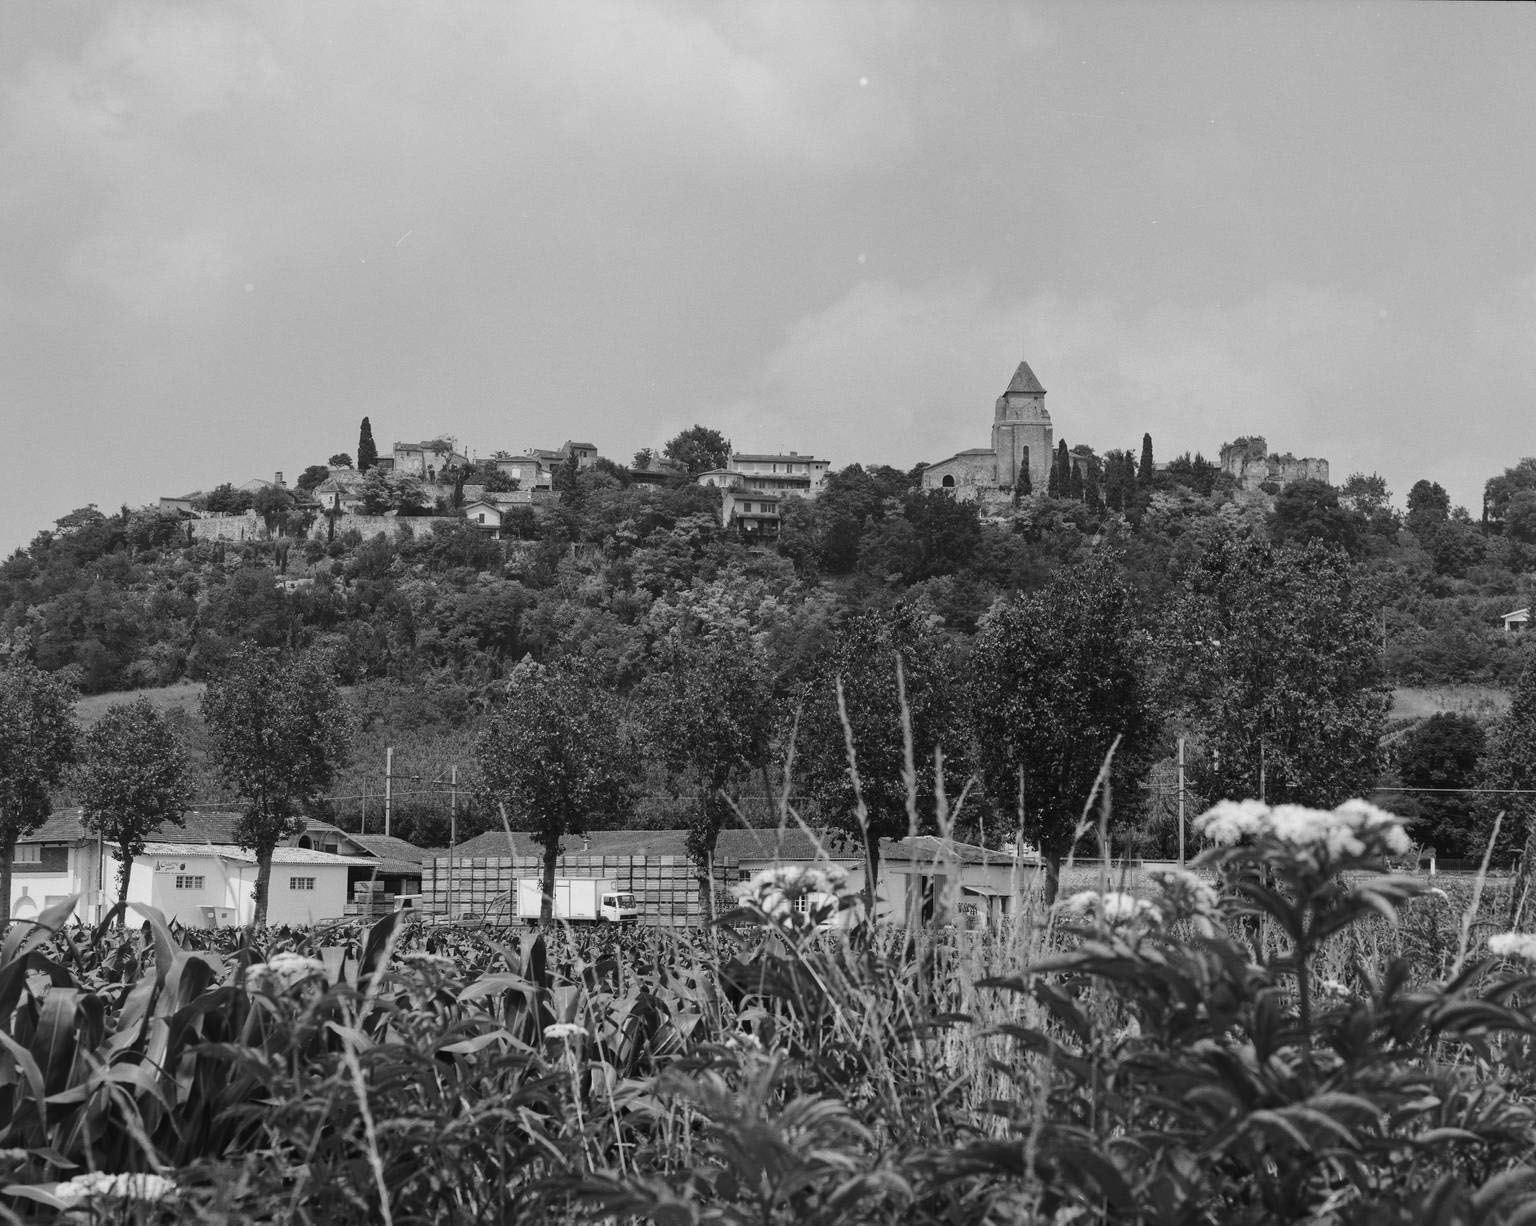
[901, 374]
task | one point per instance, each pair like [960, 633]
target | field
[1290, 1035]
[1420, 702]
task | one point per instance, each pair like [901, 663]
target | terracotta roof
[280, 855]
[791, 843]
[387, 847]
[792, 459]
[1024, 381]
[64, 826]
[597, 843]
[928, 848]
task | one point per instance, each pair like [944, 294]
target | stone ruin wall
[1250, 463]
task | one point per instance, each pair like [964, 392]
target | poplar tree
[279, 734]
[553, 758]
[367, 452]
[1147, 472]
[38, 740]
[1053, 679]
[135, 778]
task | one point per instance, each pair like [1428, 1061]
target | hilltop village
[437, 478]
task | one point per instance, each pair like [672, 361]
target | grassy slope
[184, 696]
[1481, 701]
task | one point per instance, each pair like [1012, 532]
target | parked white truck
[590, 900]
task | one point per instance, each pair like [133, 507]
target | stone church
[1021, 443]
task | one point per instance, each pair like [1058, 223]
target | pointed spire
[1024, 381]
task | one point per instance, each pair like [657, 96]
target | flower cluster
[775, 891]
[1112, 907]
[146, 1188]
[1187, 895]
[560, 1032]
[430, 963]
[1355, 830]
[282, 971]
[1514, 945]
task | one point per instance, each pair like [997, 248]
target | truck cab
[618, 907]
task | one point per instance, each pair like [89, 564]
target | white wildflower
[430, 962]
[282, 971]
[1187, 894]
[1514, 945]
[563, 1031]
[1352, 831]
[146, 1188]
[1231, 821]
[1113, 907]
[1333, 989]
[775, 891]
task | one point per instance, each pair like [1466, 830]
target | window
[28, 853]
[190, 883]
[301, 883]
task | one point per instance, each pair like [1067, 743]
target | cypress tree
[1144, 477]
[367, 453]
[1024, 487]
[1075, 484]
[1053, 482]
[1063, 470]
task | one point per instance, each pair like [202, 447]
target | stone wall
[1249, 461]
[370, 526]
[964, 475]
[221, 527]
[666, 888]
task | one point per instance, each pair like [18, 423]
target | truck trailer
[578, 900]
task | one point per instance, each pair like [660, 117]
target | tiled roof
[1024, 381]
[597, 843]
[927, 848]
[280, 855]
[64, 826]
[791, 459]
[791, 843]
[387, 847]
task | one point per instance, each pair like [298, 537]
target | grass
[1420, 702]
[184, 696]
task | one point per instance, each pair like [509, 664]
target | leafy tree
[699, 449]
[278, 732]
[1365, 493]
[367, 452]
[644, 458]
[1054, 678]
[1498, 491]
[1520, 516]
[497, 482]
[38, 739]
[313, 476]
[711, 719]
[134, 778]
[553, 757]
[227, 500]
[1146, 473]
[1194, 472]
[863, 657]
[1443, 752]
[1274, 657]
[1509, 765]
[1428, 507]
[340, 460]
[1309, 511]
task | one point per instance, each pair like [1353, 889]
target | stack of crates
[666, 888]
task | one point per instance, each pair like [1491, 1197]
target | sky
[229, 231]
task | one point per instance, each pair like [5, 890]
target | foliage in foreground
[1291, 1033]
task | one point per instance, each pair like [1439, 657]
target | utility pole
[1181, 802]
[453, 829]
[389, 777]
